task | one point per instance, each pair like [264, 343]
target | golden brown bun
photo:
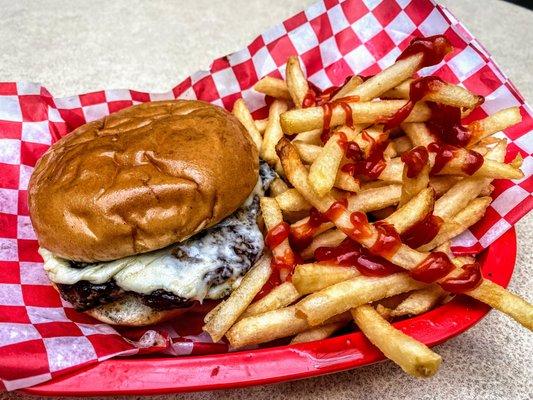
[141, 179]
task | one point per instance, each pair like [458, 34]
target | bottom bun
[131, 311]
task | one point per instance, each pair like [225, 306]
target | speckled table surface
[75, 47]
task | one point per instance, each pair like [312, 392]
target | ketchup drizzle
[336, 209]
[302, 235]
[277, 235]
[351, 254]
[422, 232]
[445, 125]
[372, 166]
[436, 266]
[472, 163]
[433, 49]
[415, 160]
[388, 240]
[361, 228]
[443, 154]
[469, 279]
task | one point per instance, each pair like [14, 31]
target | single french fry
[273, 132]
[239, 300]
[277, 187]
[305, 119]
[260, 124]
[273, 87]
[267, 326]
[323, 170]
[318, 333]
[308, 152]
[310, 278]
[292, 200]
[385, 312]
[342, 296]
[413, 211]
[401, 145]
[330, 238]
[441, 92]
[499, 298]
[418, 133]
[384, 80]
[412, 186]
[296, 81]
[273, 217]
[393, 171]
[345, 181]
[419, 301]
[493, 123]
[364, 201]
[212, 313]
[279, 297]
[354, 81]
[413, 357]
[271, 325]
[243, 115]
[442, 183]
[309, 137]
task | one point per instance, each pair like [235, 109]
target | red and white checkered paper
[334, 39]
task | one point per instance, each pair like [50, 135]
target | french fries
[442, 92]
[419, 301]
[342, 296]
[273, 132]
[305, 119]
[412, 356]
[230, 310]
[399, 176]
[318, 333]
[279, 297]
[243, 115]
[274, 87]
[310, 278]
[296, 81]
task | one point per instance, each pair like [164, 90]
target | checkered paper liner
[334, 39]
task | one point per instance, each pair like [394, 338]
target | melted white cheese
[200, 271]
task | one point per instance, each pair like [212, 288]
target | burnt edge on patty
[84, 295]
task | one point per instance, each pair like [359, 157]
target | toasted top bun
[141, 179]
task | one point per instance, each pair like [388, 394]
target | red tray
[283, 363]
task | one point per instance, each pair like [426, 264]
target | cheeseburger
[148, 211]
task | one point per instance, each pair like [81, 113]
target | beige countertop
[75, 47]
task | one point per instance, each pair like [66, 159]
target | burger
[144, 213]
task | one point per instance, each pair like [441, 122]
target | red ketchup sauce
[388, 240]
[443, 154]
[433, 49]
[418, 89]
[422, 232]
[360, 227]
[336, 209]
[351, 254]
[469, 279]
[301, 236]
[372, 166]
[445, 125]
[436, 266]
[472, 163]
[415, 160]
[272, 282]
[273, 239]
